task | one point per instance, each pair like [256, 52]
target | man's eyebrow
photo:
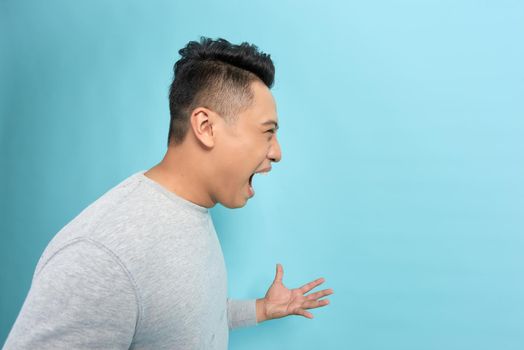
[267, 122]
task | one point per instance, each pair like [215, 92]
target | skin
[213, 165]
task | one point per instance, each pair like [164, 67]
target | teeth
[264, 173]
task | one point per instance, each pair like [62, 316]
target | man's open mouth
[262, 172]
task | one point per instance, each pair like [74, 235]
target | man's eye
[271, 131]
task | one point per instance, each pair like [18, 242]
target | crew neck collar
[171, 195]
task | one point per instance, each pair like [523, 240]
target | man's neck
[177, 174]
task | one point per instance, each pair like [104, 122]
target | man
[141, 267]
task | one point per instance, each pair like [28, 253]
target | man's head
[224, 115]
[215, 74]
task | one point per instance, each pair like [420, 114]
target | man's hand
[281, 301]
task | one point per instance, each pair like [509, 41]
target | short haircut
[217, 75]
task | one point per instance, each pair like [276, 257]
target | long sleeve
[82, 298]
[241, 313]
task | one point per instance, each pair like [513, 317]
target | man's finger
[307, 287]
[304, 313]
[311, 304]
[320, 294]
[279, 274]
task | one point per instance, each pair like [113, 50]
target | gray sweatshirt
[140, 268]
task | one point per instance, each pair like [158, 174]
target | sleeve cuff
[241, 313]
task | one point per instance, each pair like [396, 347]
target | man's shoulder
[105, 205]
[131, 208]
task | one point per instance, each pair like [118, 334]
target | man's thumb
[279, 273]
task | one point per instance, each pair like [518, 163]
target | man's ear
[201, 121]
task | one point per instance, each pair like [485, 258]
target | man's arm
[278, 302]
[81, 299]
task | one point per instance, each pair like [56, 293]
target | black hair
[217, 75]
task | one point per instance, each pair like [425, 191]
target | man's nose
[275, 153]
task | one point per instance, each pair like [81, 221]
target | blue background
[402, 178]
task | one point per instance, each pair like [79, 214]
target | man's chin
[234, 204]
